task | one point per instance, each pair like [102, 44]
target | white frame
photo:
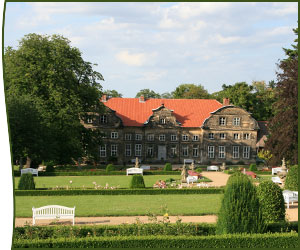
[197, 150]
[174, 137]
[235, 154]
[234, 136]
[236, 121]
[196, 137]
[138, 137]
[246, 136]
[103, 119]
[211, 153]
[114, 135]
[101, 150]
[211, 136]
[246, 152]
[162, 137]
[185, 150]
[128, 137]
[223, 137]
[114, 150]
[173, 150]
[185, 137]
[222, 121]
[150, 137]
[127, 150]
[222, 152]
[150, 148]
[138, 149]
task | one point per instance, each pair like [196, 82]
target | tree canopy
[147, 93]
[190, 91]
[112, 93]
[49, 88]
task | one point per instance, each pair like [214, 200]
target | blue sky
[161, 45]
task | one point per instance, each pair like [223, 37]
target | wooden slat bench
[53, 212]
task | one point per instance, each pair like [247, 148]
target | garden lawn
[124, 205]
[87, 181]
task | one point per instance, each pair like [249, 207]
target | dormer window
[89, 119]
[222, 121]
[103, 119]
[162, 121]
[236, 121]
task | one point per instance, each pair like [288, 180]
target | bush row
[277, 240]
[189, 229]
[144, 191]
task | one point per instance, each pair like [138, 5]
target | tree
[52, 83]
[190, 91]
[265, 155]
[283, 127]
[166, 95]
[147, 93]
[112, 93]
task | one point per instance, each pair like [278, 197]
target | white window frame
[246, 152]
[173, 150]
[247, 136]
[114, 135]
[103, 119]
[127, 149]
[185, 150]
[162, 137]
[138, 137]
[128, 137]
[185, 138]
[150, 150]
[89, 119]
[222, 121]
[173, 137]
[211, 152]
[138, 150]
[195, 151]
[162, 120]
[236, 121]
[236, 137]
[195, 137]
[222, 152]
[114, 150]
[211, 136]
[150, 137]
[222, 137]
[102, 150]
[235, 152]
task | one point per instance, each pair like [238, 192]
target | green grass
[264, 177]
[87, 181]
[122, 205]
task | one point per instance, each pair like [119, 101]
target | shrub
[26, 182]
[271, 201]
[253, 167]
[291, 181]
[109, 168]
[137, 181]
[240, 212]
[240, 163]
[168, 167]
[198, 170]
[169, 180]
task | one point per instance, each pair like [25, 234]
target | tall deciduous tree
[190, 91]
[283, 128]
[147, 93]
[59, 86]
[112, 93]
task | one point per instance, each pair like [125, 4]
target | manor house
[171, 130]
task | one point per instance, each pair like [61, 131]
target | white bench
[53, 212]
[145, 167]
[30, 170]
[212, 168]
[290, 197]
[276, 180]
[191, 179]
[275, 170]
[188, 161]
[134, 171]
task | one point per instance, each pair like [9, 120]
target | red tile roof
[189, 112]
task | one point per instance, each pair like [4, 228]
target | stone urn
[184, 174]
[223, 167]
[282, 174]
[192, 167]
[137, 162]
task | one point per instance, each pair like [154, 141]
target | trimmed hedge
[146, 191]
[291, 181]
[277, 240]
[137, 181]
[168, 167]
[26, 182]
[110, 168]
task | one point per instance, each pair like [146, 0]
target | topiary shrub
[253, 167]
[137, 181]
[26, 182]
[109, 168]
[271, 201]
[240, 212]
[291, 181]
[168, 167]
[199, 170]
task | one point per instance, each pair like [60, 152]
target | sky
[162, 45]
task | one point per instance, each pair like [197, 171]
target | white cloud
[135, 59]
[227, 40]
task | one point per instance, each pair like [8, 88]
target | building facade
[171, 130]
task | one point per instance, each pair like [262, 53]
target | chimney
[226, 101]
[141, 98]
[103, 98]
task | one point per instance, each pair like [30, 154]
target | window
[211, 151]
[195, 137]
[114, 135]
[221, 151]
[162, 121]
[236, 136]
[246, 136]
[222, 136]
[222, 121]
[128, 150]
[185, 137]
[127, 137]
[114, 150]
[138, 149]
[173, 137]
[236, 121]
[89, 119]
[150, 151]
[103, 119]
[246, 152]
[138, 137]
[211, 136]
[173, 150]
[162, 137]
[195, 151]
[150, 137]
[185, 151]
[103, 151]
[235, 152]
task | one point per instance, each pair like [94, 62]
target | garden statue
[192, 166]
[184, 173]
[223, 167]
[283, 172]
[137, 162]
